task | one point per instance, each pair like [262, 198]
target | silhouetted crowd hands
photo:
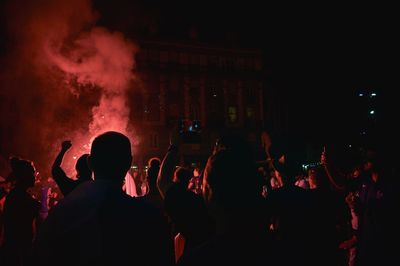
[235, 211]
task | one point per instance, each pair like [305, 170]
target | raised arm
[65, 146]
[63, 181]
[328, 172]
[167, 168]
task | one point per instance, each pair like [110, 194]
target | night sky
[319, 57]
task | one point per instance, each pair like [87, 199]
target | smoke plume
[64, 78]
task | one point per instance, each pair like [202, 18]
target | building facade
[219, 89]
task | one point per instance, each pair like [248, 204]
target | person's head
[312, 178]
[196, 172]
[368, 165]
[286, 173]
[376, 171]
[355, 172]
[110, 156]
[232, 142]
[230, 180]
[317, 178]
[154, 163]
[82, 168]
[24, 172]
[183, 175]
[152, 173]
[287, 167]
[135, 174]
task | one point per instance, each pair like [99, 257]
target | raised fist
[66, 145]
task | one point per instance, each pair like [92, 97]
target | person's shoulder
[177, 190]
[148, 206]
[205, 254]
[179, 196]
[230, 249]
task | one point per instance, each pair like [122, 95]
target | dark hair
[183, 174]
[82, 167]
[20, 165]
[154, 162]
[22, 172]
[152, 173]
[233, 178]
[111, 155]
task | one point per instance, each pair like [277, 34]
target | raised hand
[66, 145]
[323, 157]
[174, 137]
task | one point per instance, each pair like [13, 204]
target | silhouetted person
[153, 194]
[20, 212]
[290, 217]
[152, 173]
[375, 209]
[328, 209]
[185, 208]
[232, 191]
[83, 171]
[99, 224]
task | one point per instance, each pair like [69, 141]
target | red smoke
[65, 79]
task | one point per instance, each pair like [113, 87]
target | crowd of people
[235, 211]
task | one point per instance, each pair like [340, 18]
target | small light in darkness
[373, 94]
[361, 94]
[372, 112]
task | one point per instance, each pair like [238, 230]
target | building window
[203, 60]
[154, 56]
[137, 107]
[194, 95]
[222, 62]
[250, 113]
[174, 100]
[232, 114]
[194, 112]
[173, 57]
[230, 63]
[232, 94]
[195, 59]
[173, 111]
[258, 64]
[250, 65]
[250, 116]
[250, 94]
[183, 58]
[152, 110]
[215, 103]
[154, 141]
[163, 57]
[213, 61]
[240, 63]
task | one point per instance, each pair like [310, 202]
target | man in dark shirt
[232, 191]
[21, 213]
[99, 224]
